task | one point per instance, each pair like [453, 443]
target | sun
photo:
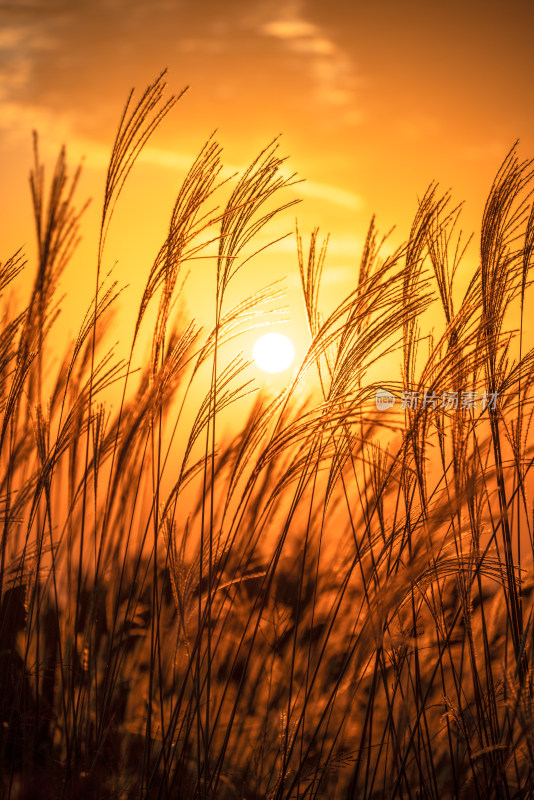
[273, 352]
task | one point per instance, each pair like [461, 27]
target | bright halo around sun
[273, 352]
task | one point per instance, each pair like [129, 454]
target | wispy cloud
[21, 42]
[332, 69]
[332, 194]
[170, 159]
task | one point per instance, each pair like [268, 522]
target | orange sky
[374, 101]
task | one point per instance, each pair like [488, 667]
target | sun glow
[273, 352]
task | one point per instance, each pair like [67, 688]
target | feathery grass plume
[310, 277]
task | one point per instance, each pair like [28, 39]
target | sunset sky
[374, 101]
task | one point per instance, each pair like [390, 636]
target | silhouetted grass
[334, 601]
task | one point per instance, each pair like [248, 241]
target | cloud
[332, 194]
[290, 29]
[332, 69]
[181, 162]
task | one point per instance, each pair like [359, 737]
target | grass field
[329, 601]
